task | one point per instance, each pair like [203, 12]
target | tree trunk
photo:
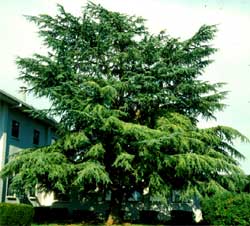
[115, 212]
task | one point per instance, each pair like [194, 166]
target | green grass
[125, 224]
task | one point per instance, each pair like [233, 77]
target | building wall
[10, 145]
[3, 140]
[27, 126]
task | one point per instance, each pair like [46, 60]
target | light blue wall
[27, 126]
[3, 139]
[25, 139]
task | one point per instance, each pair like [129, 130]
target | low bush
[16, 214]
[41, 214]
[226, 209]
[62, 215]
[181, 217]
[45, 214]
[85, 216]
[148, 216]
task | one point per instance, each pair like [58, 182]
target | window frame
[9, 194]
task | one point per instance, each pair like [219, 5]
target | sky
[180, 18]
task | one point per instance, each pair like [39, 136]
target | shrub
[86, 216]
[41, 214]
[16, 214]
[148, 216]
[227, 209]
[48, 214]
[181, 217]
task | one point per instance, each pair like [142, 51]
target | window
[9, 189]
[15, 128]
[36, 137]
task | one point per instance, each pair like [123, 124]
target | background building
[19, 130]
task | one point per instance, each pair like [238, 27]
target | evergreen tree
[128, 103]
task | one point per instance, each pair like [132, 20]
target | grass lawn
[125, 224]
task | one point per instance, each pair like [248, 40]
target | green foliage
[48, 214]
[227, 209]
[91, 172]
[16, 214]
[128, 103]
[246, 187]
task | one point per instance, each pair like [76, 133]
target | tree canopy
[128, 102]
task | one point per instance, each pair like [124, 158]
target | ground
[124, 224]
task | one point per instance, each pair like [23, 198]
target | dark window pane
[36, 137]
[9, 190]
[15, 129]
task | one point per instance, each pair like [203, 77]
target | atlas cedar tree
[128, 103]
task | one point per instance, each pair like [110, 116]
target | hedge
[45, 214]
[227, 209]
[182, 217]
[16, 214]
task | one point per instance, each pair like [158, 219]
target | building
[18, 130]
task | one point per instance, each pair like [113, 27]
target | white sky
[180, 18]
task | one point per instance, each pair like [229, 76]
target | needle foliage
[128, 103]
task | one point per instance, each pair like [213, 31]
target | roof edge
[14, 101]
